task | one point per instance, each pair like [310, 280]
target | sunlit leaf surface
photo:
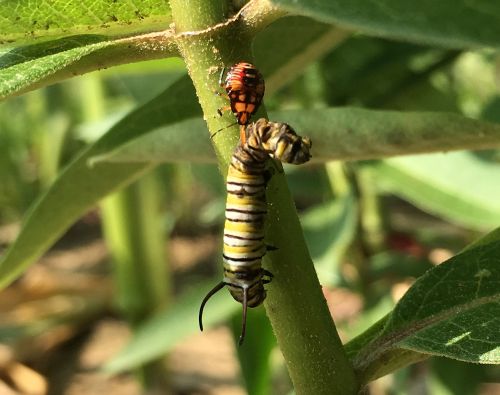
[22, 20]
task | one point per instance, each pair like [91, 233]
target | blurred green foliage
[371, 226]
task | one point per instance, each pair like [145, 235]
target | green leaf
[452, 311]
[30, 67]
[22, 20]
[19, 77]
[162, 332]
[80, 186]
[449, 23]
[459, 186]
[185, 141]
[337, 133]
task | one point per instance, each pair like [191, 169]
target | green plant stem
[371, 220]
[295, 304]
[205, 56]
[133, 235]
[338, 179]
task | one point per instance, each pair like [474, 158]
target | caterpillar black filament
[246, 210]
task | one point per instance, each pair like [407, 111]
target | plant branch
[88, 57]
[295, 304]
[257, 14]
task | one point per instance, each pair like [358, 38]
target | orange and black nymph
[245, 88]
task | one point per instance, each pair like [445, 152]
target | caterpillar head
[299, 152]
[290, 147]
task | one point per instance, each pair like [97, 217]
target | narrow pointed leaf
[80, 186]
[337, 133]
[450, 23]
[22, 20]
[436, 183]
[30, 67]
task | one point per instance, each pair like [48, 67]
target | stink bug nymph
[245, 88]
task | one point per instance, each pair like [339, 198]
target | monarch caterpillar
[245, 88]
[246, 209]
